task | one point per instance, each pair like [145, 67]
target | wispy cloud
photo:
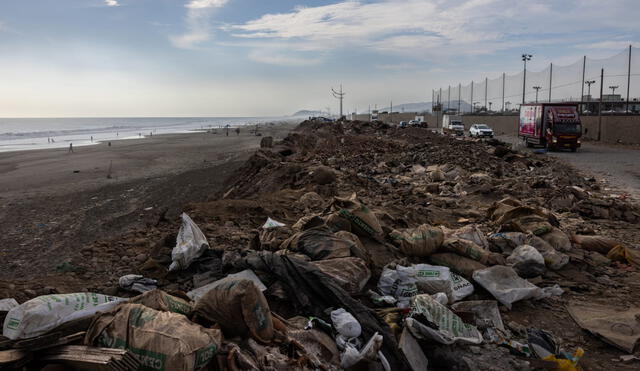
[111, 3]
[428, 29]
[198, 17]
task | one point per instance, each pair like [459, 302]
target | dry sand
[53, 202]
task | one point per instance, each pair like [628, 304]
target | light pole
[613, 89]
[525, 58]
[589, 87]
[507, 104]
[537, 88]
[490, 106]
[474, 106]
[589, 83]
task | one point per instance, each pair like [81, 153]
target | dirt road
[618, 165]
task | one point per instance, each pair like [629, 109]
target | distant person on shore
[151, 133]
[237, 131]
[70, 147]
[48, 140]
[92, 139]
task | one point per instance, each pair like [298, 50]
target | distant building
[610, 103]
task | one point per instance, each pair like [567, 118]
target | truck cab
[452, 124]
[550, 125]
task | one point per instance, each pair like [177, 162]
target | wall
[615, 128]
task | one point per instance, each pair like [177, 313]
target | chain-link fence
[615, 80]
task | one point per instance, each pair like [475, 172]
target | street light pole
[588, 82]
[525, 58]
[613, 89]
[537, 88]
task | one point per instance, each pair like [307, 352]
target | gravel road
[618, 165]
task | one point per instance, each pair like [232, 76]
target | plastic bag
[44, 313]
[431, 320]
[345, 323]
[370, 352]
[190, 244]
[270, 223]
[432, 279]
[441, 298]
[527, 261]
[505, 284]
[553, 259]
[7, 304]
[138, 283]
[471, 233]
[399, 283]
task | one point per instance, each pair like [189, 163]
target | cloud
[609, 45]
[282, 58]
[429, 29]
[198, 23]
[111, 3]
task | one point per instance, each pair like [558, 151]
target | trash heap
[354, 245]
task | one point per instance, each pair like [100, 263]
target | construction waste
[357, 245]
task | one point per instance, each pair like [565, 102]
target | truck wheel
[574, 149]
[529, 144]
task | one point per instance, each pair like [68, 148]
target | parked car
[480, 130]
[414, 123]
[403, 124]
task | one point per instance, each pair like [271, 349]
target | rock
[266, 142]
[30, 293]
[311, 201]
[323, 175]
[141, 258]
[111, 291]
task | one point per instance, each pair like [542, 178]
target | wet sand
[55, 171]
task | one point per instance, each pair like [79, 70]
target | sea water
[18, 134]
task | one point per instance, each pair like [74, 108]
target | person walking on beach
[92, 139]
[70, 147]
[237, 131]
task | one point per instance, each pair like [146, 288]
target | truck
[550, 125]
[452, 124]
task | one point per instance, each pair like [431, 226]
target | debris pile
[354, 245]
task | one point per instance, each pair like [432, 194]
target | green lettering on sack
[139, 317]
[425, 273]
[358, 222]
[205, 355]
[149, 361]
[177, 306]
[13, 323]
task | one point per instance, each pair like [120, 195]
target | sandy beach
[52, 202]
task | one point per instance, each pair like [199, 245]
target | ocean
[19, 134]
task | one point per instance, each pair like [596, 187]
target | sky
[110, 58]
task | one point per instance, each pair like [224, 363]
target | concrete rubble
[356, 245]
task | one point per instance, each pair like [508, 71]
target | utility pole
[391, 112]
[471, 101]
[449, 98]
[339, 95]
[550, 77]
[525, 58]
[503, 75]
[600, 105]
[486, 89]
[628, 80]
[459, 90]
[537, 88]
[584, 68]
